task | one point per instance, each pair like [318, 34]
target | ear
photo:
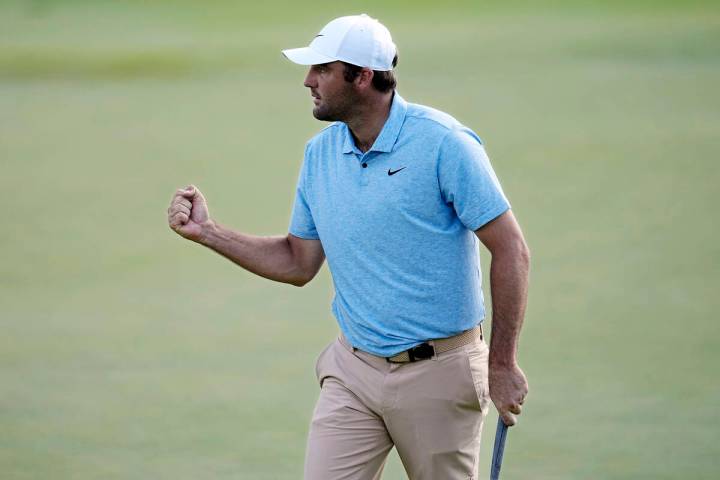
[364, 80]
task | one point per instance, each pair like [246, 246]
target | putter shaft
[498, 449]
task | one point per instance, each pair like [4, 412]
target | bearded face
[333, 96]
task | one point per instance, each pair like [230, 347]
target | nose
[310, 79]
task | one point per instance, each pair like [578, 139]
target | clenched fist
[188, 213]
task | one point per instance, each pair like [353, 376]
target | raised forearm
[270, 257]
[509, 273]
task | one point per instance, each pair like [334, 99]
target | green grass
[128, 353]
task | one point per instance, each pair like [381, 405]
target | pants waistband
[430, 348]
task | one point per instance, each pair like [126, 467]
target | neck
[369, 119]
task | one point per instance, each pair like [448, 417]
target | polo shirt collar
[389, 133]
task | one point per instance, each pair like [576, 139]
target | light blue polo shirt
[397, 225]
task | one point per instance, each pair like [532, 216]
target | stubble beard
[338, 109]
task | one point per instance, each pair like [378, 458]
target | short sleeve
[302, 224]
[467, 180]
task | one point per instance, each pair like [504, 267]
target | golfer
[398, 197]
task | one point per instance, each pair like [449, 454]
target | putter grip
[498, 449]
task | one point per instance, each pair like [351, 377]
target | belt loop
[435, 352]
[343, 339]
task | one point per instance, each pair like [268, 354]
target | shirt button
[364, 165]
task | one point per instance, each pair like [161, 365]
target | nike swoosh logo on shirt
[391, 172]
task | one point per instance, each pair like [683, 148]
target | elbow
[525, 252]
[300, 280]
[515, 250]
[524, 255]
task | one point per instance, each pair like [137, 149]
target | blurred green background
[129, 353]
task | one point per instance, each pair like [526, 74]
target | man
[397, 196]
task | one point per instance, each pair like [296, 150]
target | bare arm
[286, 259]
[509, 272]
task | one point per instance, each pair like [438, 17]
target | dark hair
[382, 81]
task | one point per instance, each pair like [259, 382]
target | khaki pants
[431, 410]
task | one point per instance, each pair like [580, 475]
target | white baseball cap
[356, 39]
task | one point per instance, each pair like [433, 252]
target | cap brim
[306, 56]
